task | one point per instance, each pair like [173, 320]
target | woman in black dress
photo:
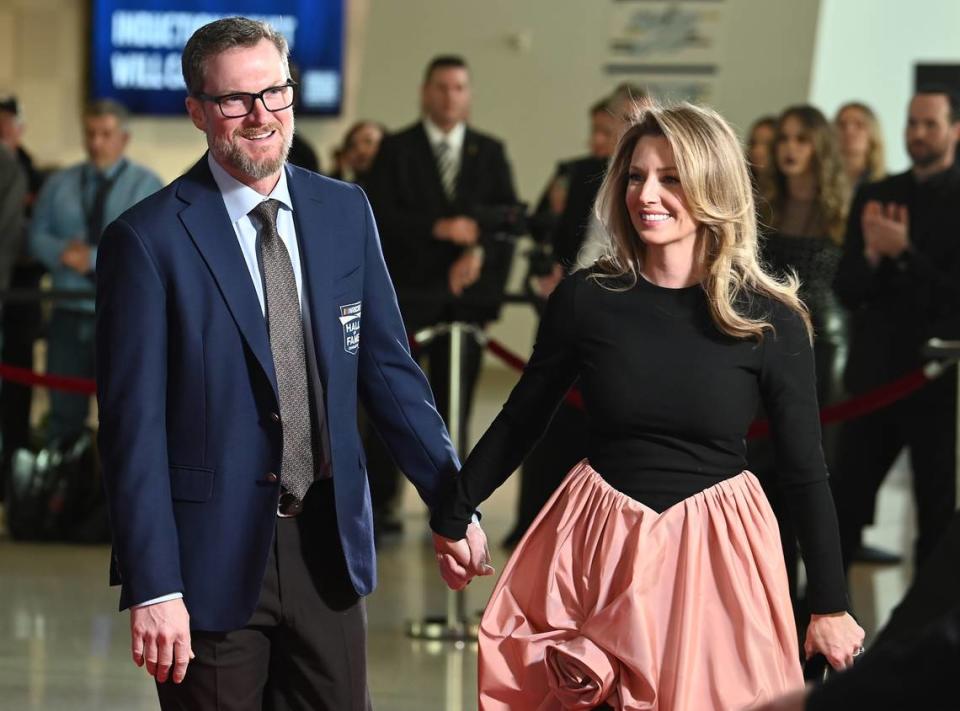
[653, 578]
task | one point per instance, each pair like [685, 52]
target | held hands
[886, 230]
[461, 561]
[836, 636]
[160, 637]
[460, 230]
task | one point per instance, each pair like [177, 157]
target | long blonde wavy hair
[719, 196]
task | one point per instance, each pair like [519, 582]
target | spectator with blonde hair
[861, 143]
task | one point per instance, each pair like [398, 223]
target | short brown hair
[444, 61]
[219, 36]
[109, 107]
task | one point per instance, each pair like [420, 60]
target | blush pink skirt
[607, 601]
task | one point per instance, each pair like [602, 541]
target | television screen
[136, 47]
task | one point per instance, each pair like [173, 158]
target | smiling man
[241, 311]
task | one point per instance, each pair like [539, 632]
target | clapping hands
[461, 561]
[886, 230]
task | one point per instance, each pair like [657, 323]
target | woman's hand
[836, 636]
[460, 561]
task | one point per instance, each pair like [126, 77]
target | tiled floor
[63, 646]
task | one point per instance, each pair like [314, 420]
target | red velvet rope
[858, 406]
[25, 376]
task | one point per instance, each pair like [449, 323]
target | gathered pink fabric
[607, 601]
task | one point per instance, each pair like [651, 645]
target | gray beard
[228, 150]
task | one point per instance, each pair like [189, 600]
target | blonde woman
[654, 578]
[861, 143]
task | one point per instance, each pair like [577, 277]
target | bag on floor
[57, 494]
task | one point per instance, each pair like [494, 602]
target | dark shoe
[876, 556]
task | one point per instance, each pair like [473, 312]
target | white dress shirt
[454, 139]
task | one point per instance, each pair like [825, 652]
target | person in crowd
[913, 660]
[13, 190]
[68, 220]
[760, 144]
[577, 181]
[437, 188]
[20, 321]
[900, 279]
[230, 311]
[861, 143]
[580, 239]
[359, 150]
[12, 128]
[919, 674]
[654, 576]
[805, 196]
[302, 153]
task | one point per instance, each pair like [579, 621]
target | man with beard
[230, 308]
[900, 278]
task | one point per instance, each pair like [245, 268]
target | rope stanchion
[25, 376]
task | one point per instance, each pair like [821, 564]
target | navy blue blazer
[187, 390]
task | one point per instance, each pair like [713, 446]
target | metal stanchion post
[949, 351]
[455, 626]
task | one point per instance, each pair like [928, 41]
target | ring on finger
[858, 652]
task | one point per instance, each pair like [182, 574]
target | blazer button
[275, 417]
[271, 477]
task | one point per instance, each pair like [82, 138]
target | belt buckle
[288, 505]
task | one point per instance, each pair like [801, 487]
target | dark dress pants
[304, 648]
[926, 423]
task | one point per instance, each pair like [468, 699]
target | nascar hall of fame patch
[350, 320]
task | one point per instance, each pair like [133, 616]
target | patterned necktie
[285, 327]
[446, 165]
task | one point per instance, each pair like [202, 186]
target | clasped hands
[886, 230]
[76, 256]
[461, 561]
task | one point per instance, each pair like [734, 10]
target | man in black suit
[900, 278]
[436, 188]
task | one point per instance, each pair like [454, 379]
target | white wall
[866, 50]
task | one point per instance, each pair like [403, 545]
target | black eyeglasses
[241, 103]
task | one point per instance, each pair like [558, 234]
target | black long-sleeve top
[669, 399]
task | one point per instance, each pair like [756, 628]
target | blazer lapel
[205, 219]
